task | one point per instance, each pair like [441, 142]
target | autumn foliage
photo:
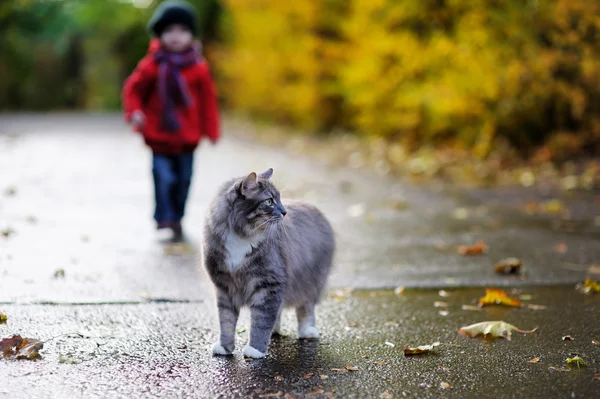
[429, 71]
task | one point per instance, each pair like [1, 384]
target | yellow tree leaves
[422, 71]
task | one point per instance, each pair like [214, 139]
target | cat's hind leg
[306, 321]
[277, 328]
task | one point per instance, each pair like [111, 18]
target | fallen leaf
[323, 376]
[317, 391]
[3, 318]
[561, 369]
[560, 248]
[509, 266]
[471, 307]
[381, 363]
[535, 307]
[67, 359]
[443, 313]
[398, 205]
[534, 360]
[308, 375]
[351, 368]
[476, 249]
[445, 385]
[594, 269]
[597, 377]
[389, 344]
[589, 286]
[241, 330]
[443, 294]
[386, 395]
[576, 361]
[7, 232]
[568, 338]
[289, 396]
[494, 329]
[59, 273]
[597, 343]
[178, 249]
[21, 348]
[399, 291]
[419, 349]
[271, 395]
[278, 378]
[526, 297]
[339, 370]
[554, 206]
[439, 304]
[460, 213]
[498, 297]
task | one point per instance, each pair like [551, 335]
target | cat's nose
[282, 210]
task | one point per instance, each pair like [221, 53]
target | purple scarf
[172, 88]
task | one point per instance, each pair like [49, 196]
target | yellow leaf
[498, 297]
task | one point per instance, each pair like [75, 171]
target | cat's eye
[269, 201]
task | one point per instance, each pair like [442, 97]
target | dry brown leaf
[561, 248]
[492, 329]
[498, 297]
[562, 369]
[278, 378]
[419, 349]
[323, 376]
[509, 266]
[271, 395]
[595, 342]
[339, 370]
[399, 290]
[381, 363]
[443, 294]
[386, 395]
[308, 375]
[534, 360]
[535, 307]
[596, 377]
[476, 249]
[594, 269]
[445, 385]
[21, 348]
[443, 313]
[351, 368]
[440, 304]
[317, 391]
[568, 338]
[471, 307]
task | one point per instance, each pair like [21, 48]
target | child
[170, 98]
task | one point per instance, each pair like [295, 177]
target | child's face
[176, 38]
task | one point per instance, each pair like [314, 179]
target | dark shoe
[177, 231]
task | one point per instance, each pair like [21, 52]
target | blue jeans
[172, 178]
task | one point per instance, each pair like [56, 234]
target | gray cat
[259, 254]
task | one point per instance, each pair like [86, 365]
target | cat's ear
[248, 183]
[266, 174]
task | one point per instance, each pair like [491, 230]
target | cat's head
[257, 203]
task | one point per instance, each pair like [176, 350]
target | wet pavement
[81, 256]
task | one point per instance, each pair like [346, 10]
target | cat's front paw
[253, 353]
[308, 332]
[218, 349]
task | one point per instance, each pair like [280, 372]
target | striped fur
[261, 255]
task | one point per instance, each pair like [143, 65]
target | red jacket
[201, 119]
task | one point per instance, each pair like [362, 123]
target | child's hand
[138, 119]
